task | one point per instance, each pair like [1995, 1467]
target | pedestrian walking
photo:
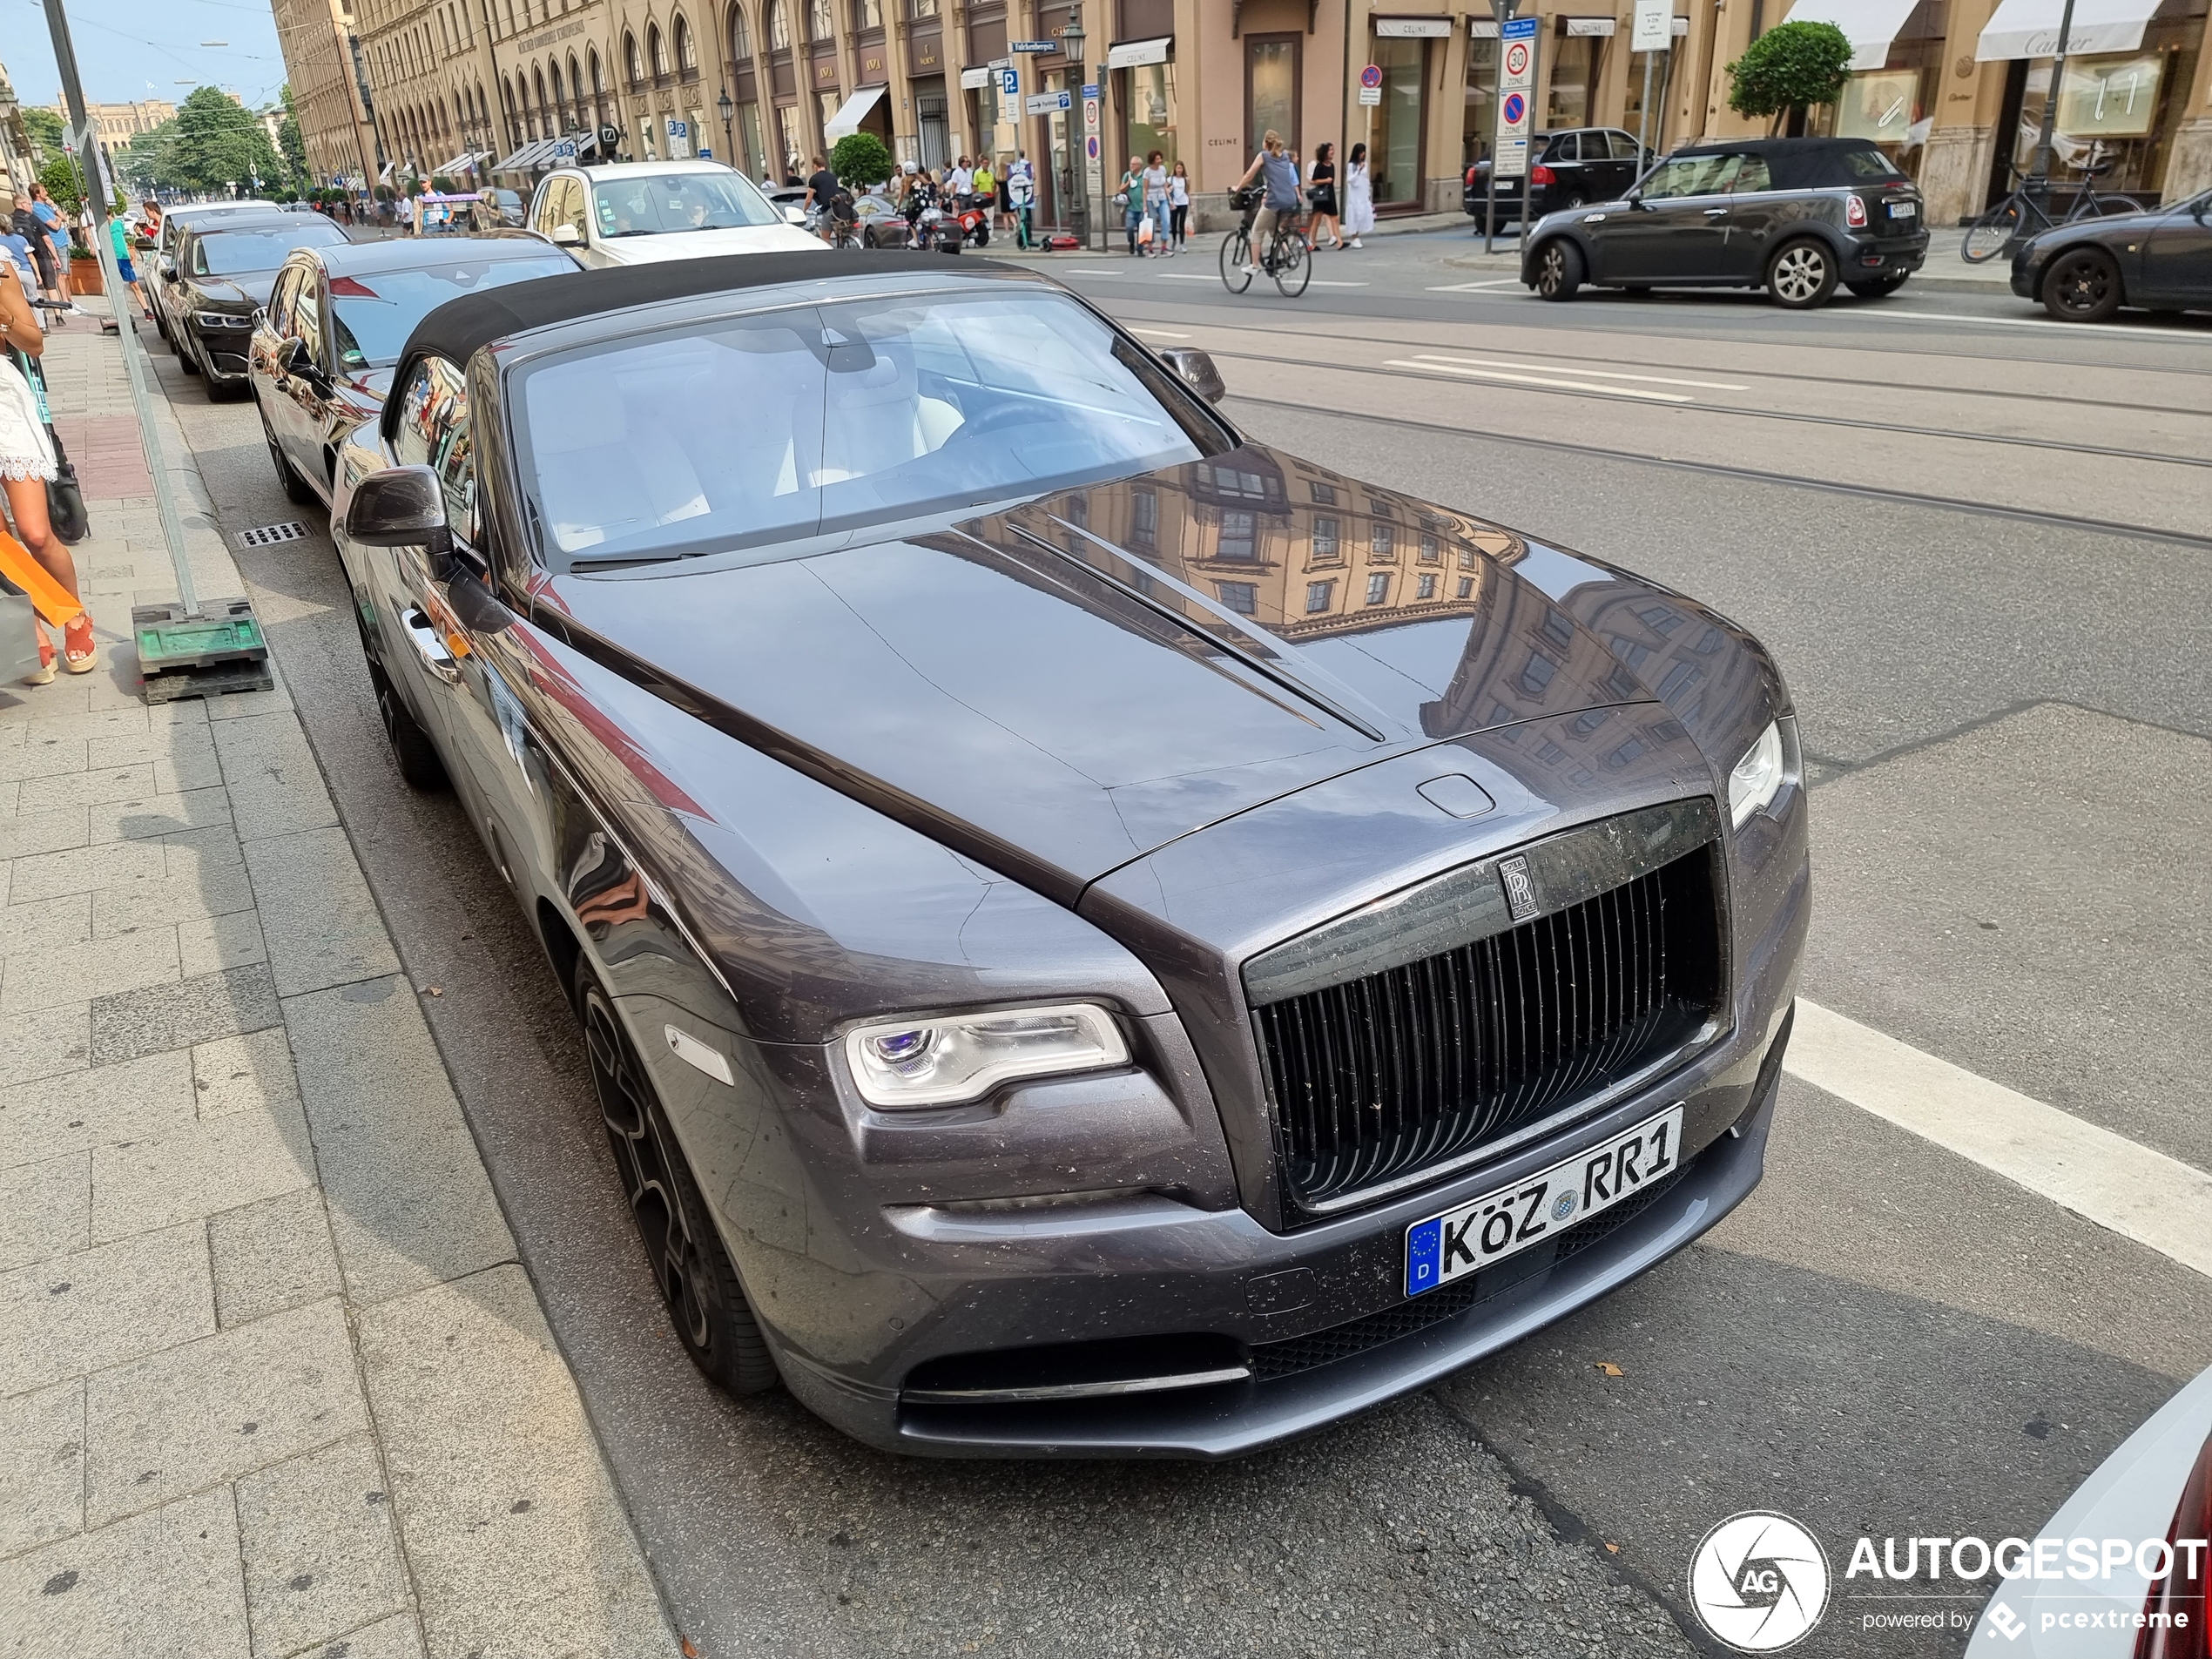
[25, 223]
[1178, 206]
[27, 466]
[1021, 195]
[51, 216]
[1359, 195]
[1155, 203]
[1321, 195]
[960, 181]
[124, 268]
[1128, 196]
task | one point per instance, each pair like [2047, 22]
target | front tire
[1559, 270]
[698, 1286]
[1801, 275]
[296, 489]
[1235, 255]
[2082, 285]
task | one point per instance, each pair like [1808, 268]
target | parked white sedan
[639, 212]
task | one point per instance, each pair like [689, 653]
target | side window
[280, 298]
[1568, 149]
[306, 312]
[545, 214]
[572, 207]
[434, 432]
[1752, 175]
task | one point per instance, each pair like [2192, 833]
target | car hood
[244, 292]
[685, 245]
[1063, 687]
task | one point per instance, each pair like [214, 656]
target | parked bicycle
[2025, 213]
[1285, 258]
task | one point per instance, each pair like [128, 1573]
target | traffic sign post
[1370, 84]
[1516, 86]
[1654, 31]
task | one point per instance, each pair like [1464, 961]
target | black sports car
[2160, 260]
[221, 278]
[1794, 216]
[323, 348]
[1093, 936]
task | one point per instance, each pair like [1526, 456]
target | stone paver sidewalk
[271, 1380]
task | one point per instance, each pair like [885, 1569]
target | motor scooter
[973, 215]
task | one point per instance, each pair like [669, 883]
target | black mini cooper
[1794, 216]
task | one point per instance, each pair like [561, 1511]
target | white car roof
[648, 169]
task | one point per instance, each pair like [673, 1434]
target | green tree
[46, 134]
[860, 159]
[60, 178]
[219, 145]
[1788, 70]
[292, 145]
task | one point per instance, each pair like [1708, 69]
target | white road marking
[2103, 1177]
[2158, 336]
[1595, 373]
[1540, 379]
[1479, 287]
[1156, 333]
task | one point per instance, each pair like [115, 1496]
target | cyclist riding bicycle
[1274, 164]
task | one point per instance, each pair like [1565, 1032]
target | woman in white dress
[1359, 195]
[26, 466]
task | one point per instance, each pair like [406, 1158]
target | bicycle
[2022, 213]
[1285, 257]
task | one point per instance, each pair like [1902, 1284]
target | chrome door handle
[1716, 212]
[432, 649]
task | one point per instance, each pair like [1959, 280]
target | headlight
[1767, 766]
[937, 1063]
[220, 319]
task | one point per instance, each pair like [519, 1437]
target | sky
[129, 49]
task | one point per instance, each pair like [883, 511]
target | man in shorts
[26, 224]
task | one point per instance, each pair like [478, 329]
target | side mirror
[292, 354]
[1195, 370]
[792, 215]
[402, 507]
[168, 269]
[566, 236]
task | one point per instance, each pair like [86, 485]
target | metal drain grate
[269, 535]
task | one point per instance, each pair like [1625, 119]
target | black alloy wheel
[698, 1285]
[296, 489]
[1559, 269]
[412, 750]
[1802, 274]
[1879, 288]
[2082, 285]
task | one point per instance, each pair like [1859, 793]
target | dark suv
[1564, 170]
[1794, 216]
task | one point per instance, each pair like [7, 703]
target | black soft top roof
[1795, 163]
[459, 328]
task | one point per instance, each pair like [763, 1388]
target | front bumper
[222, 351]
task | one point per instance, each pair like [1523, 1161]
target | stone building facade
[324, 67]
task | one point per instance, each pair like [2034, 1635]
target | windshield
[654, 204]
[765, 430]
[374, 315]
[230, 253]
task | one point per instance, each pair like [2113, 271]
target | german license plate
[1904, 209]
[1502, 1223]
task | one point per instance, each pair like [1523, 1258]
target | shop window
[1272, 67]
[1480, 124]
[1243, 597]
[1145, 94]
[1316, 597]
[1573, 76]
[1395, 154]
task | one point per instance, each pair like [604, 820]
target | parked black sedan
[221, 278]
[323, 349]
[1564, 170]
[1794, 216]
[1093, 936]
[2160, 260]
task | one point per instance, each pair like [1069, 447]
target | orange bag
[52, 599]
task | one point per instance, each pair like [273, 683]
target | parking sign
[1516, 87]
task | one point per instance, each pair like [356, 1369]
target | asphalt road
[1980, 547]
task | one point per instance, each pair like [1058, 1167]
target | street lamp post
[1071, 53]
[726, 106]
[2039, 170]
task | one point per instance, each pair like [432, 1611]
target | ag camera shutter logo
[1759, 1582]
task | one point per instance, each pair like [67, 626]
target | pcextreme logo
[1759, 1582]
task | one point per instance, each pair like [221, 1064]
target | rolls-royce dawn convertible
[1095, 936]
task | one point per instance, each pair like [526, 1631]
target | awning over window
[972, 78]
[1869, 24]
[1601, 26]
[538, 152]
[847, 120]
[2030, 28]
[1129, 54]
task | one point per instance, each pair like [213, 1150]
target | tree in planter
[860, 160]
[1788, 70]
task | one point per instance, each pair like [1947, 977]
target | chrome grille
[1420, 1064]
